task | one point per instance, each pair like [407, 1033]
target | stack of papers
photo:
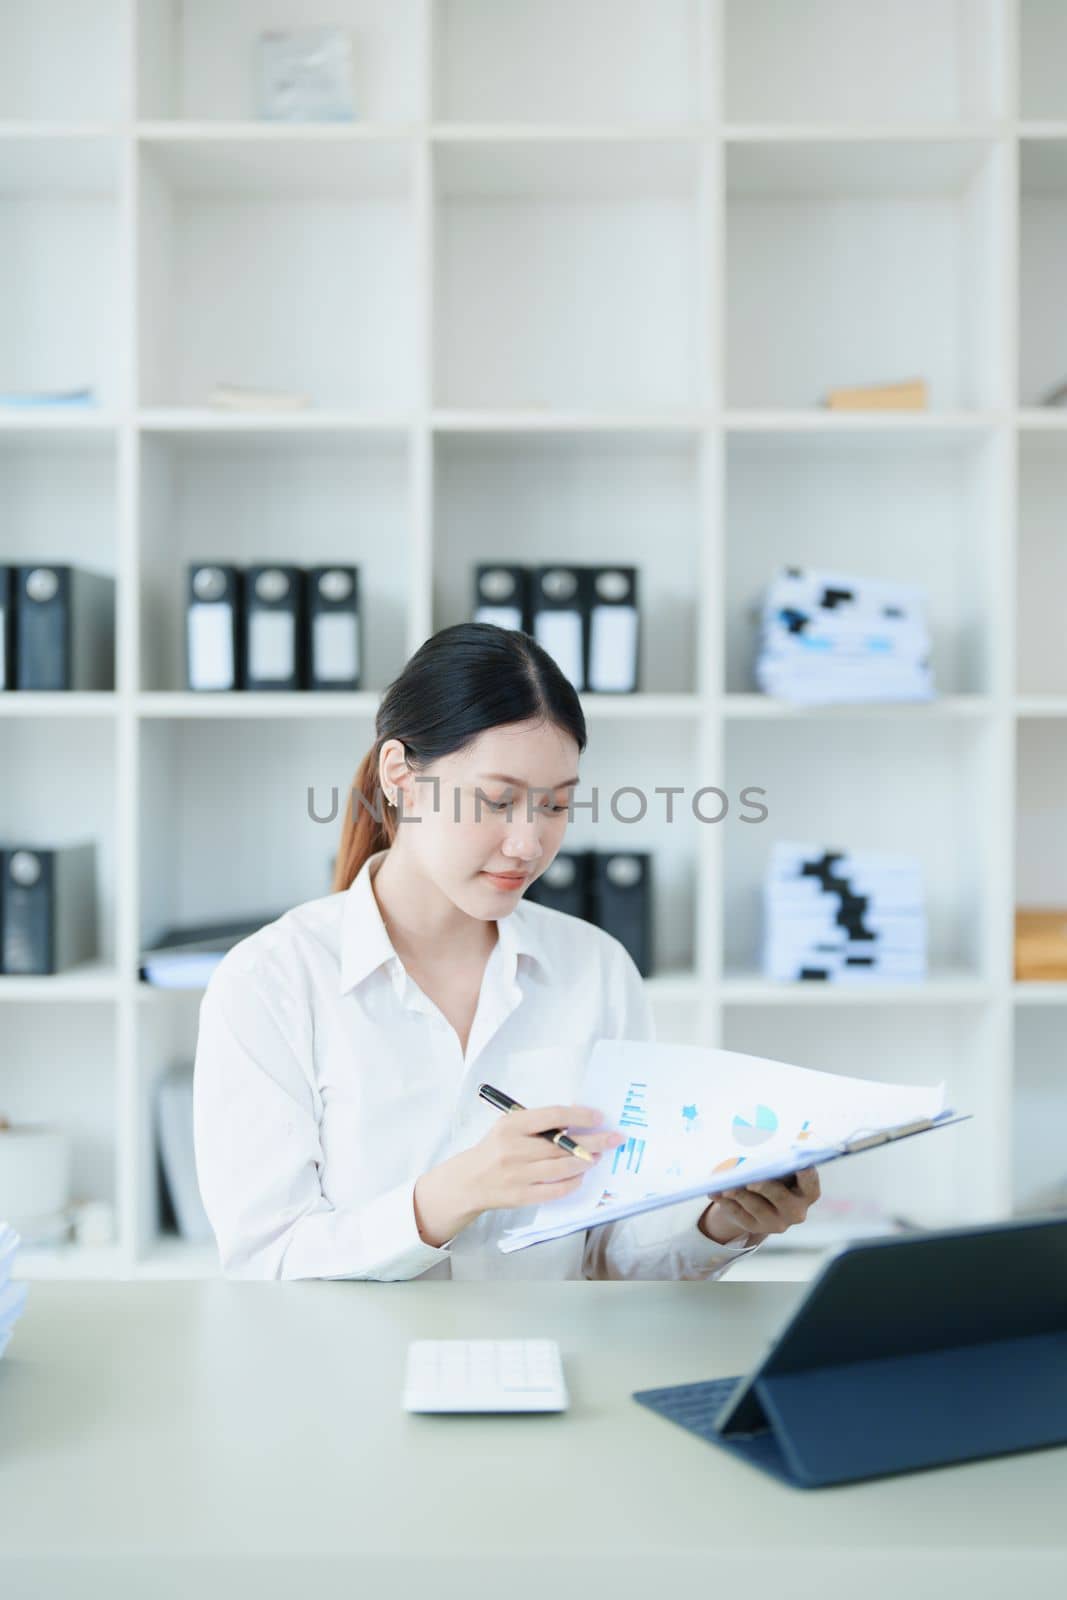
[842, 918]
[12, 1295]
[830, 636]
[234, 397]
[47, 399]
[699, 1121]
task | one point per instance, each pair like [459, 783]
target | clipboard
[797, 1159]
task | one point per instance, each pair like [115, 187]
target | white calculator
[484, 1375]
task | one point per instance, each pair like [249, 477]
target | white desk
[223, 1439]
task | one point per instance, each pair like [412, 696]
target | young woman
[339, 1131]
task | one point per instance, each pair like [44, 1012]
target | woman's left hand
[760, 1208]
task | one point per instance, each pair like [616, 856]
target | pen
[504, 1102]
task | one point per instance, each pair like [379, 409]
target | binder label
[613, 647]
[211, 663]
[560, 633]
[335, 647]
[271, 645]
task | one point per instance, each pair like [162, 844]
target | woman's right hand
[512, 1166]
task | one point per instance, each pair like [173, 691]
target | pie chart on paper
[757, 1129]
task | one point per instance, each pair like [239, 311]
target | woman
[339, 1131]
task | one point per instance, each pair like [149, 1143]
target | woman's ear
[394, 774]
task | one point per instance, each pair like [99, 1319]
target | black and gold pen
[504, 1102]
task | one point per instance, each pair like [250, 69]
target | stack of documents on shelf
[842, 918]
[46, 399]
[234, 397]
[831, 636]
[305, 75]
[699, 1121]
[12, 1295]
[185, 958]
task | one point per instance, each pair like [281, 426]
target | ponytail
[459, 683]
[362, 834]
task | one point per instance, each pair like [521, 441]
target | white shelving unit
[573, 286]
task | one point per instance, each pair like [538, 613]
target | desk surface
[197, 1432]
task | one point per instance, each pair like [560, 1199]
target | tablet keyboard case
[866, 1419]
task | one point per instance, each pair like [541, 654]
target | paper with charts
[698, 1121]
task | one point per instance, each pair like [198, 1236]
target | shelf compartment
[566, 277]
[59, 788]
[862, 784]
[864, 263]
[243, 498]
[1042, 48]
[546, 61]
[60, 315]
[1041, 813]
[197, 59]
[227, 830]
[58, 1067]
[858, 61]
[1042, 263]
[1041, 580]
[919, 510]
[595, 500]
[59, 493]
[1039, 1161]
[262, 265]
[61, 61]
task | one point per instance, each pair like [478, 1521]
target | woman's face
[467, 830]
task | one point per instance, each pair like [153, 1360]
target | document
[699, 1121]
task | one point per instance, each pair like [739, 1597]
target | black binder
[500, 597]
[559, 609]
[334, 644]
[274, 628]
[7, 628]
[907, 1352]
[621, 901]
[613, 646]
[64, 629]
[47, 908]
[213, 628]
[564, 884]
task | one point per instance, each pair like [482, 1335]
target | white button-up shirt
[327, 1082]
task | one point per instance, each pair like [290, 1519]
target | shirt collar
[366, 945]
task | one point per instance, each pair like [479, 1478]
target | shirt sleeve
[258, 1153]
[665, 1243]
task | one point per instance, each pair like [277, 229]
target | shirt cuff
[390, 1221]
